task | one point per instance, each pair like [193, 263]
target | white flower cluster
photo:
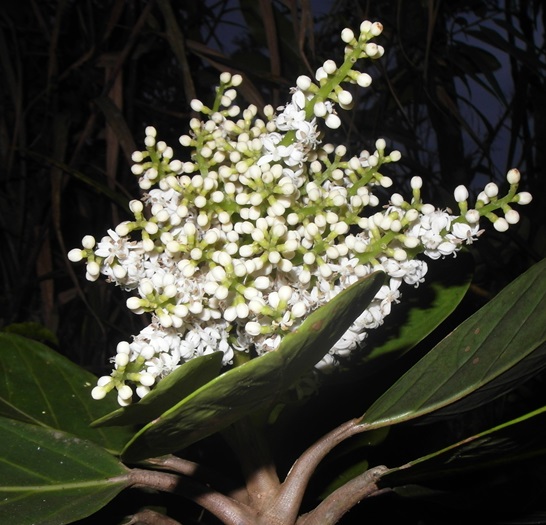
[233, 248]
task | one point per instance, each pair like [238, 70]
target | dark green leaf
[48, 477]
[516, 440]
[488, 344]
[40, 386]
[168, 392]
[256, 383]
[513, 378]
[32, 330]
[421, 310]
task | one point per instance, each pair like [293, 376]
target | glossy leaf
[48, 477]
[40, 386]
[256, 383]
[168, 392]
[516, 376]
[488, 344]
[518, 439]
[421, 310]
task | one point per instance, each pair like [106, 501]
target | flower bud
[299, 309]
[104, 380]
[501, 224]
[134, 303]
[141, 391]
[365, 26]
[491, 190]
[253, 328]
[332, 121]
[483, 197]
[364, 80]
[524, 198]
[93, 269]
[345, 98]
[329, 67]
[416, 183]
[376, 29]
[121, 360]
[512, 217]
[370, 49]
[125, 392]
[347, 35]
[395, 156]
[513, 176]
[461, 193]
[303, 82]
[75, 255]
[472, 216]
[98, 393]
[380, 144]
[88, 242]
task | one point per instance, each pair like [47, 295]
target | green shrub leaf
[40, 386]
[421, 310]
[48, 477]
[487, 345]
[515, 440]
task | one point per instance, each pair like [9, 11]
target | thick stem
[200, 473]
[287, 503]
[229, 511]
[331, 510]
[252, 448]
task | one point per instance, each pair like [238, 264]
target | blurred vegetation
[461, 91]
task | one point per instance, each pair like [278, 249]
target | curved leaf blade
[169, 391]
[254, 384]
[488, 344]
[532, 365]
[48, 477]
[421, 311]
[514, 440]
[40, 386]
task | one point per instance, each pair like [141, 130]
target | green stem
[325, 90]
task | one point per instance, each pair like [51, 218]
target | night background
[460, 91]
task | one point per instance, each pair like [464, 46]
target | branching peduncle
[287, 503]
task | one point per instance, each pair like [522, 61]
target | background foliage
[461, 92]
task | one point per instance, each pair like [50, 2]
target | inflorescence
[234, 248]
